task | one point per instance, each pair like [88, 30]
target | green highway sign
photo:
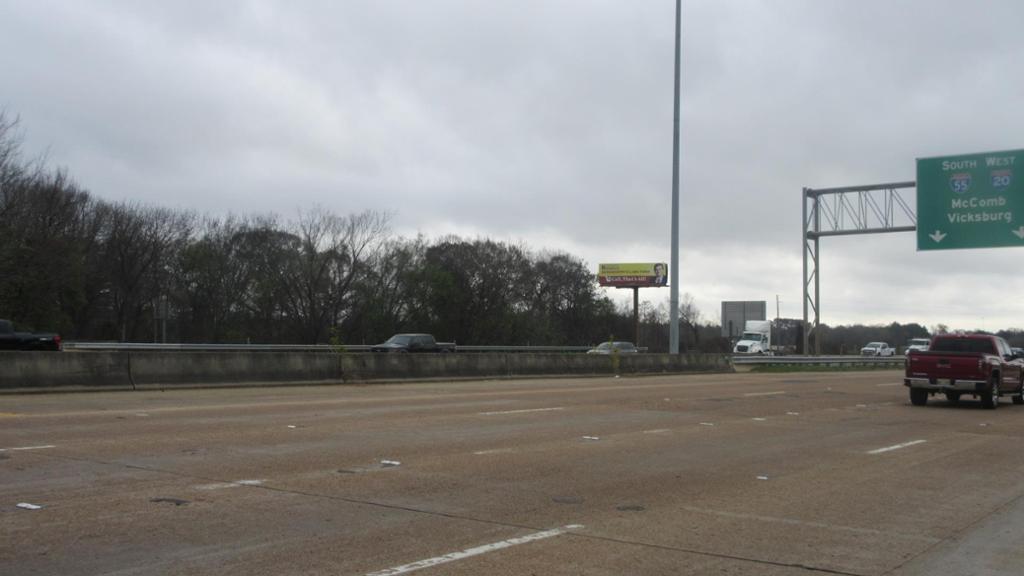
[970, 201]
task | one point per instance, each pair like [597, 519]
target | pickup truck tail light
[58, 342]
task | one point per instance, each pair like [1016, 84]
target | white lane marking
[706, 424]
[390, 463]
[889, 384]
[896, 447]
[27, 506]
[452, 557]
[27, 448]
[760, 419]
[494, 451]
[792, 413]
[762, 477]
[657, 431]
[216, 486]
[591, 437]
[226, 485]
[521, 411]
[766, 393]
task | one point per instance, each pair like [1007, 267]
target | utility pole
[778, 329]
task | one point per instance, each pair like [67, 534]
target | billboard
[736, 314]
[633, 275]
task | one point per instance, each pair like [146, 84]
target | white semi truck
[756, 339]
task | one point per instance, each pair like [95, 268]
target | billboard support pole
[636, 313]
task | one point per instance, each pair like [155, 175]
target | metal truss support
[872, 209]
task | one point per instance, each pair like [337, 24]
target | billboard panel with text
[633, 275]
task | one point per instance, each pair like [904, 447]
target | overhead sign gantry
[963, 201]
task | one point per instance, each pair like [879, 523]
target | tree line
[120, 271]
[98, 270]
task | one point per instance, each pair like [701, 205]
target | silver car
[609, 347]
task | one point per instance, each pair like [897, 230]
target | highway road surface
[726, 474]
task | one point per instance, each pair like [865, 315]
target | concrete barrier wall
[28, 371]
[163, 369]
[47, 370]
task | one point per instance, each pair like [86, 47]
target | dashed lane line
[224, 485]
[522, 411]
[494, 451]
[476, 551]
[896, 447]
[27, 448]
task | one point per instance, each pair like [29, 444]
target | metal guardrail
[736, 359]
[817, 360]
[147, 346]
[153, 347]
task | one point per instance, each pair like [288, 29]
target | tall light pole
[673, 269]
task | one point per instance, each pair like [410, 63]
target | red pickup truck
[977, 364]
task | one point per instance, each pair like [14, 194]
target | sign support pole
[850, 210]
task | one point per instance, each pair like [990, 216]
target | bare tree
[212, 277]
[689, 321]
[319, 281]
[139, 249]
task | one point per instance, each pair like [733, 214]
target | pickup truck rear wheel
[1018, 398]
[918, 396]
[990, 395]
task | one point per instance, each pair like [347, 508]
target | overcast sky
[547, 122]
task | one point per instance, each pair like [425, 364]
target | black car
[11, 340]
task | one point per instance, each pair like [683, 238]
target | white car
[877, 349]
[919, 344]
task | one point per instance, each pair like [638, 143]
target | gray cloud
[547, 122]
